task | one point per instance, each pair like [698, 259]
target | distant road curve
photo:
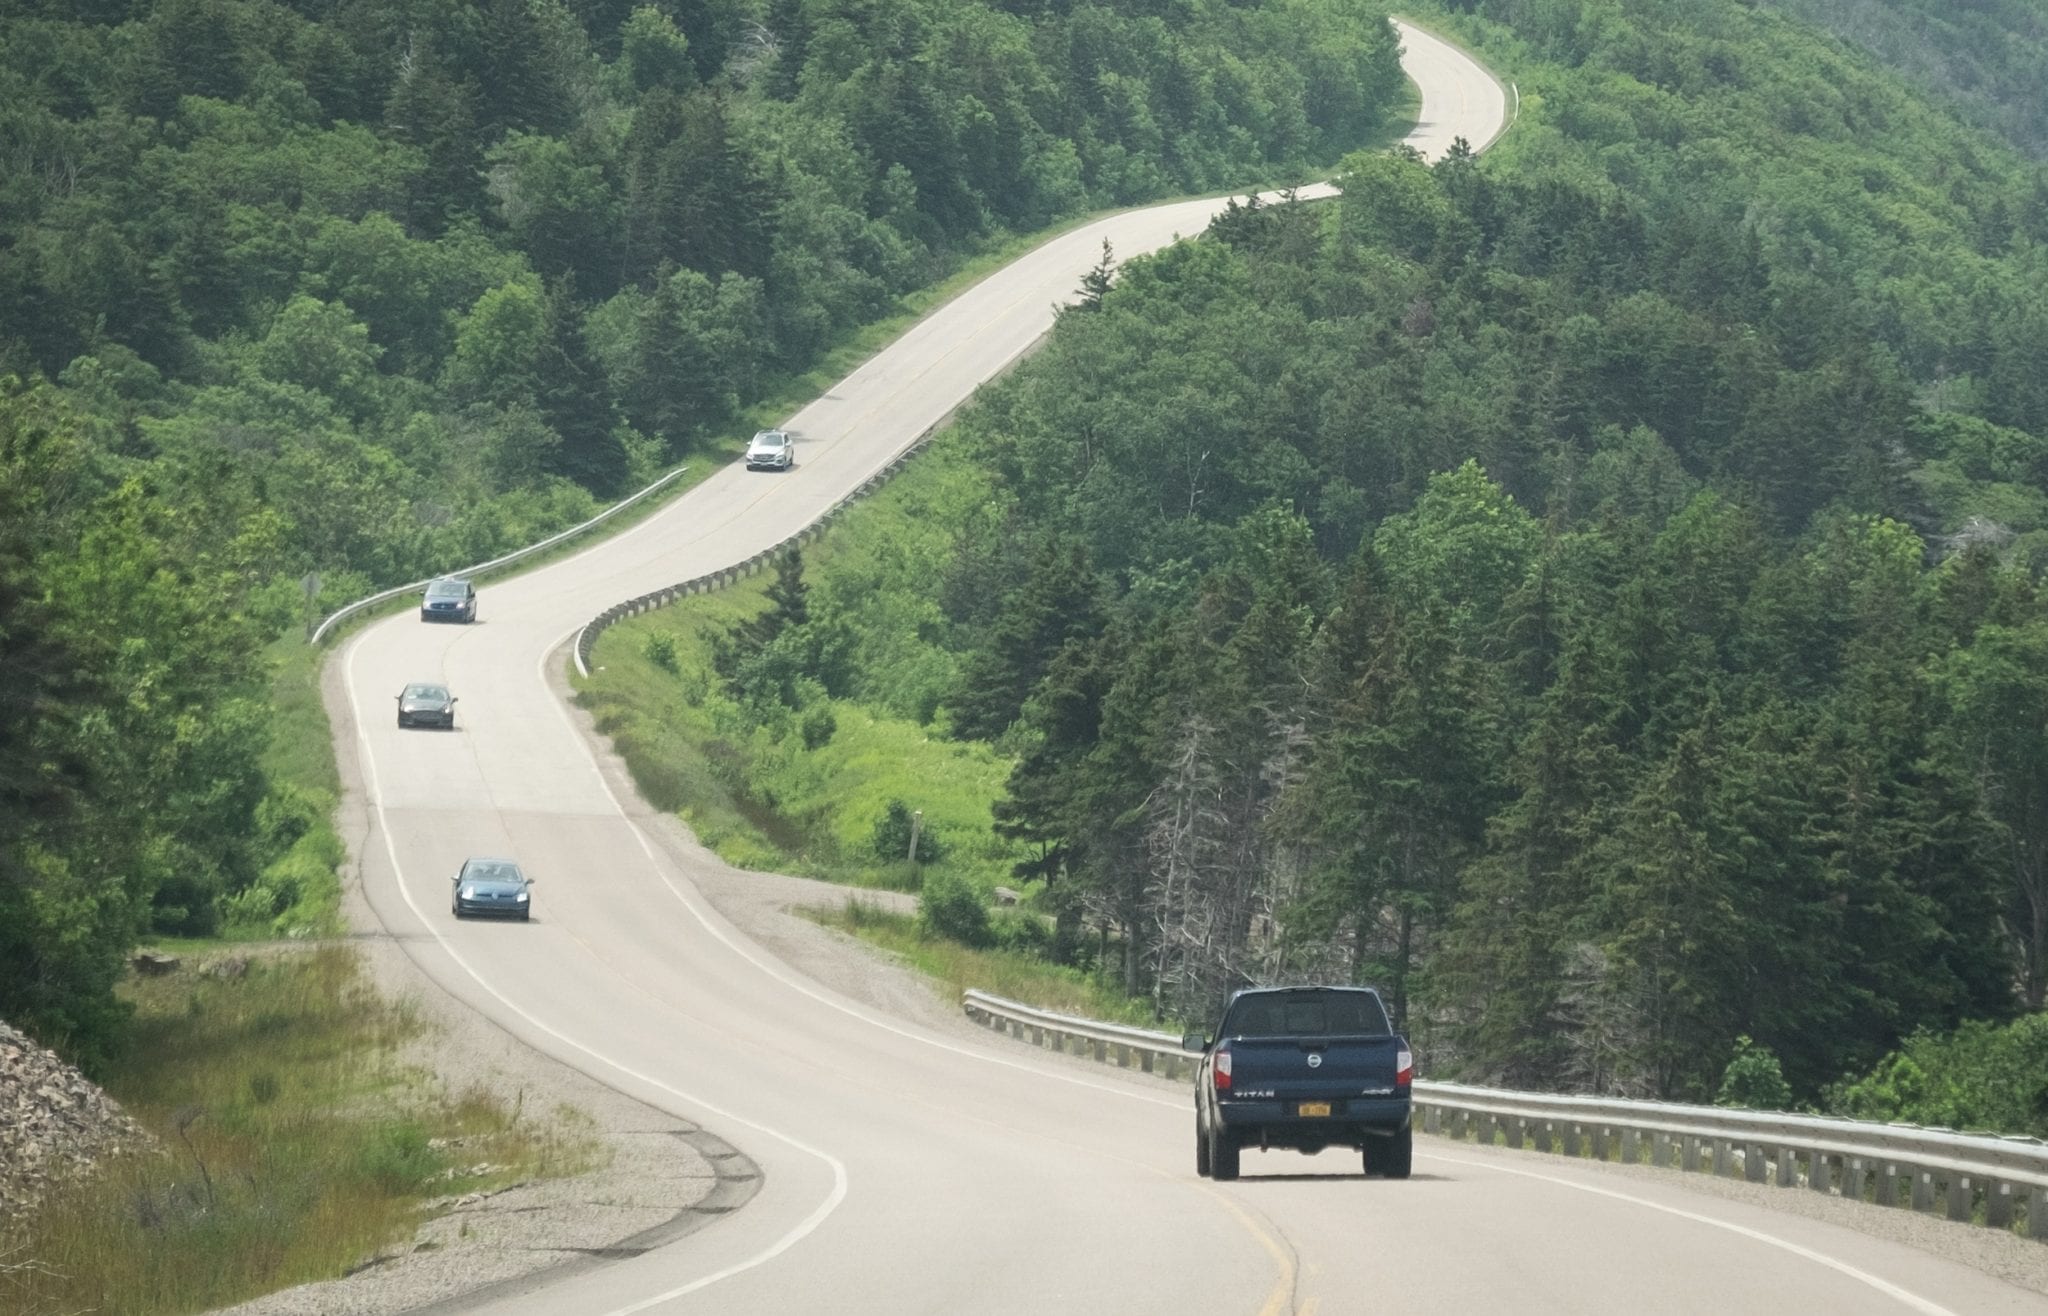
[908, 1171]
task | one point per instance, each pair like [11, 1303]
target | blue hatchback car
[493, 887]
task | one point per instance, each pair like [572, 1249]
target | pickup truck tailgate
[1306, 1067]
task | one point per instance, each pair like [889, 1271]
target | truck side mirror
[1193, 1042]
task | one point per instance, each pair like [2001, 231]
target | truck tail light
[1404, 1068]
[1221, 1069]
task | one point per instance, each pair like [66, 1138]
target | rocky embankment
[54, 1123]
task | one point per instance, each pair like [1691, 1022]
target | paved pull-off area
[878, 1155]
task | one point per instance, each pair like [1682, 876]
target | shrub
[818, 728]
[1982, 1076]
[1021, 931]
[1753, 1079]
[399, 1159]
[892, 837]
[950, 907]
[660, 649]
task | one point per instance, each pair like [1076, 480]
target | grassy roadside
[296, 1143]
[1015, 975]
[804, 789]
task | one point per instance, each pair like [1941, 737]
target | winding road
[906, 1171]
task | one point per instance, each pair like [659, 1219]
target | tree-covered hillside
[1591, 591]
[1989, 57]
[339, 294]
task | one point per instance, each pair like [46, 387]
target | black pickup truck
[1307, 1068]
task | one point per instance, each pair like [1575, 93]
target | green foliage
[894, 831]
[397, 1160]
[1753, 1079]
[950, 906]
[1981, 1076]
[660, 649]
[818, 726]
[130, 778]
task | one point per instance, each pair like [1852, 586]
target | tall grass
[1016, 975]
[294, 1146]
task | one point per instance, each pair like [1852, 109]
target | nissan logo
[1315, 1059]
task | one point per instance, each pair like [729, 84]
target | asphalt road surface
[905, 1171]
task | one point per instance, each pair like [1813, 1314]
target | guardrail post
[1660, 1149]
[1998, 1204]
[1756, 1163]
[2037, 1213]
[1923, 1188]
[1855, 1173]
[1689, 1154]
[1099, 1047]
[1723, 1158]
[1888, 1182]
[1571, 1137]
[1517, 1132]
[1962, 1197]
[1631, 1146]
[1817, 1177]
[1432, 1120]
[1788, 1167]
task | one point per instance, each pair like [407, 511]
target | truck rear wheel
[1223, 1151]
[1201, 1150]
[1391, 1158]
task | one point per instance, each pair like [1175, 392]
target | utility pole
[916, 826]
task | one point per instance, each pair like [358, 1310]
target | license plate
[1313, 1110]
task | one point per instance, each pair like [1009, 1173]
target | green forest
[298, 300]
[1591, 591]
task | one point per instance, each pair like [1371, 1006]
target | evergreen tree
[1057, 603]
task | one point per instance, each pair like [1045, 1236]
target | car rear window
[442, 589]
[1308, 1014]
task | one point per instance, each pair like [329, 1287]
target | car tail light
[1221, 1069]
[1404, 1068]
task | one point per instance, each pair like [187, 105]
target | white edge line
[798, 1233]
[1884, 1286]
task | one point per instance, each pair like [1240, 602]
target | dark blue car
[493, 887]
[449, 599]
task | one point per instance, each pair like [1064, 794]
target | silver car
[771, 450]
[423, 704]
[492, 886]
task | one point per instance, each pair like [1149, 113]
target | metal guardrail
[1139, 1048]
[327, 625]
[1984, 1178]
[586, 639]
